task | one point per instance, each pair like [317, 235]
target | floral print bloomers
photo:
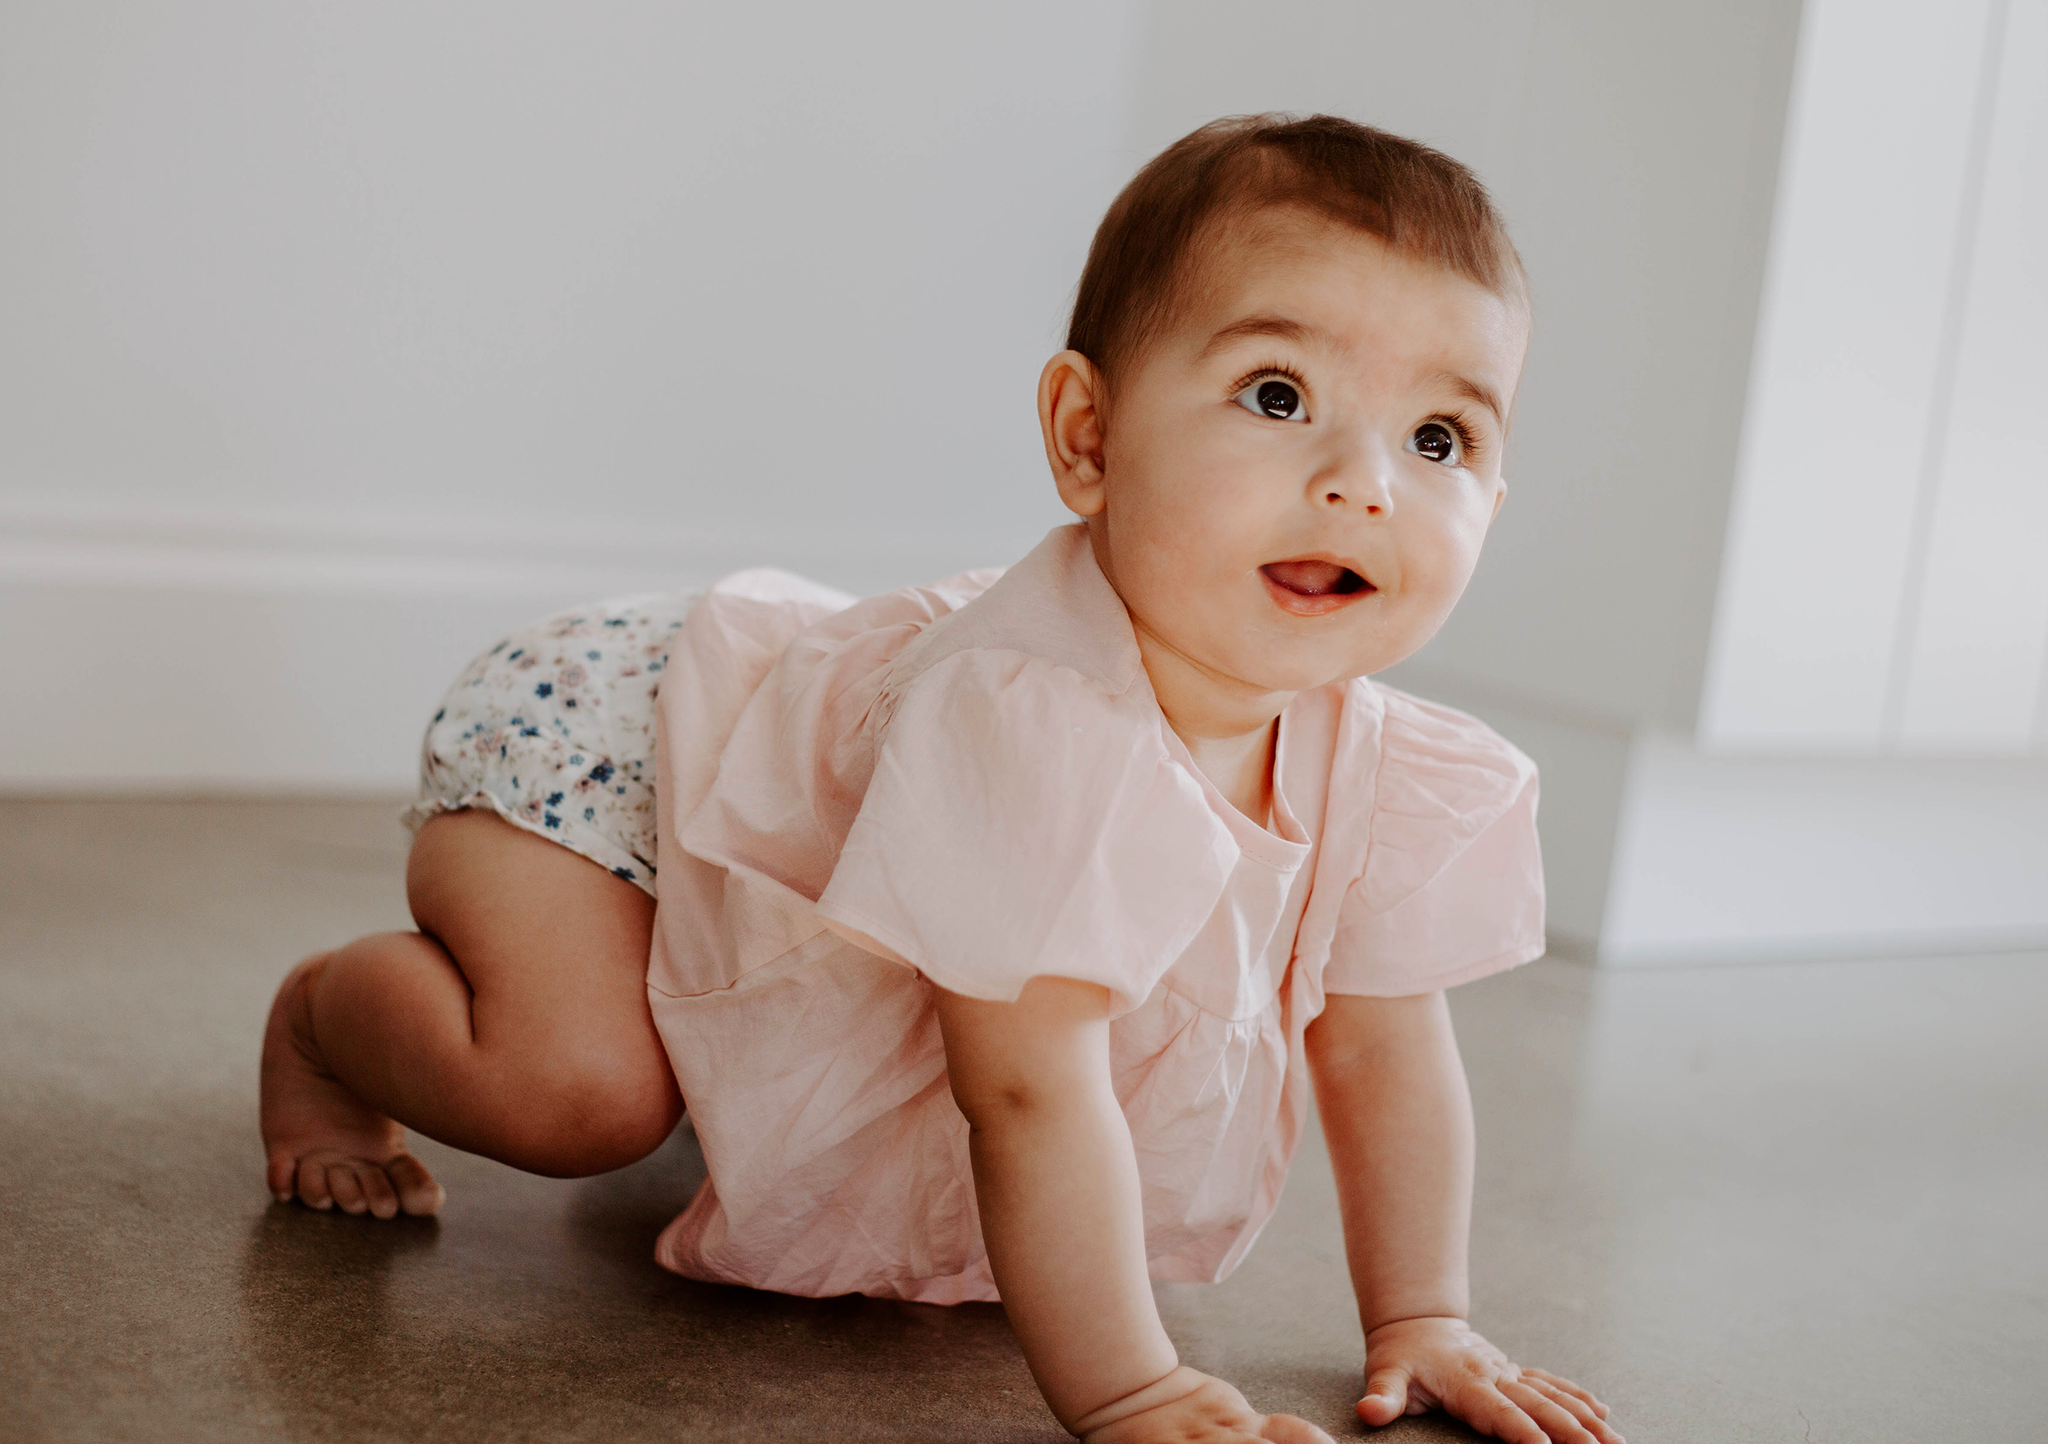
[553, 730]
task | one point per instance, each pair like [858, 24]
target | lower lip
[1319, 604]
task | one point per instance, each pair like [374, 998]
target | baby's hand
[1414, 1365]
[1196, 1409]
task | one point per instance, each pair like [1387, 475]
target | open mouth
[1320, 581]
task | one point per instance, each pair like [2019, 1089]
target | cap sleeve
[1453, 883]
[1023, 822]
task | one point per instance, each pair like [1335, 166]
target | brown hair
[1143, 259]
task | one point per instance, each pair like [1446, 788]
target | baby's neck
[1241, 768]
[1228, 728]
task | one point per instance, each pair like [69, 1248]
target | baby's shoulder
[1052, 616]
[1419, 734]
[1424, 758]
[1014, 709]
[1425, 781]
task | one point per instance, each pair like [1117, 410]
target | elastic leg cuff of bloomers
[584, 841]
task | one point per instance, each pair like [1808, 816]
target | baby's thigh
[553, 947]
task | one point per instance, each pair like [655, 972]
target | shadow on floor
[535, 1312]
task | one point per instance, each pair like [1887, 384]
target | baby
[1005, 924]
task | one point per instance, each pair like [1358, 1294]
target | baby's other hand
[1414, 1365]
[1210, 1412]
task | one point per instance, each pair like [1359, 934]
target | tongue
[1313, 579]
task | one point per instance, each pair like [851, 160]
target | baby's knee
[594, 1114]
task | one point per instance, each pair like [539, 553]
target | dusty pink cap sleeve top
[966, 786]
[1452, 887]
[1018, 825]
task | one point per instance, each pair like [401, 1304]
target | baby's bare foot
[325, 1145]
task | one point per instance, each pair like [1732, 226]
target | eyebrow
[1283, 327]
[1471, 390]
[1301, 333]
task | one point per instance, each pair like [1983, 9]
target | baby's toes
[313, 1189]
[377, 1190]
[418, 1194]
[279, 1171]
[345, 1182]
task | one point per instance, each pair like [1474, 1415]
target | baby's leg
[513, 1024]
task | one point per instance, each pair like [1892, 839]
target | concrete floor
[1803, 1203]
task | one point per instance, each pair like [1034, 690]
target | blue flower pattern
[553, 729]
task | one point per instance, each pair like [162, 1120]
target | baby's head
[1292, 360]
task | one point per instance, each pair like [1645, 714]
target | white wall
[1971, 672]
[1870, 772]
[1884, 589]
[390, 325]
[334, 341]
[703, 266]
[664, 290]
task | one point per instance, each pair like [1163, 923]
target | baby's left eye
[1273, 397]
[1437, 442]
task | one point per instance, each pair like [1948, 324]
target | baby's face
[1297, 478]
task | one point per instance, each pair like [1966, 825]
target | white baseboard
[248, 653]
[1658, 854]
[1740, 859]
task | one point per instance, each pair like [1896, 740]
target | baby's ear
[1070, 418]
[1500, 495]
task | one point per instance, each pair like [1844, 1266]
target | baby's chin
[1261, 650]
[1283, 669]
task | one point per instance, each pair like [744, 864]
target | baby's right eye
[1273, 397]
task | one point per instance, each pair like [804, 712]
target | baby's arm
[1057, 1185]
[1398, 1119]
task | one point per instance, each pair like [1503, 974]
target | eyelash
[1260, 373]
[1467, 434]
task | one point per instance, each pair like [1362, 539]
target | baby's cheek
[1432, 580]
[1446, 554]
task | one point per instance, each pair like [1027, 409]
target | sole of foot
[324, 1146]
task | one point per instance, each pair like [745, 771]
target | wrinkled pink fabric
[971, 785]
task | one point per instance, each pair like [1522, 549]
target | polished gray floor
[1803, 1203]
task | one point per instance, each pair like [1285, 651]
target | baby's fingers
[1561, 1416]
[1386, 1396]
[1568, 1386]
[1591, 1414]
[1490, 1411]
[1288, 1429]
